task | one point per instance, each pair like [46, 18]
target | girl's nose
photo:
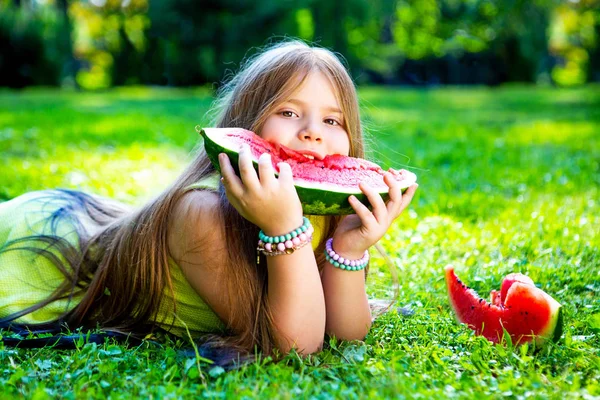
[310, 133]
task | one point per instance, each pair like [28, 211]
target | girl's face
[310, 120]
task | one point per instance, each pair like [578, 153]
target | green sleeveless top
[26, 278]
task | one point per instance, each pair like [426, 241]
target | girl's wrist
[350, 253]
[280, 227]
[339, 261]
[286, 243]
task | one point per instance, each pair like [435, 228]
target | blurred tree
[99, 43]
[199, 39]
[593, 71]
[522, 40]
[65, 43]
[575, 42]
[508, 35]
[110, 42]
[360, 31]
[30, 49]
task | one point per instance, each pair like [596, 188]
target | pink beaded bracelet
[286, 244]
[340, 262]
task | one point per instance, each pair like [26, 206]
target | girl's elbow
[351, 333]
[312, 347]
[304, 346]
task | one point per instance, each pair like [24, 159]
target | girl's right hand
[267, 201]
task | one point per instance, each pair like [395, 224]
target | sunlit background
[97, 44]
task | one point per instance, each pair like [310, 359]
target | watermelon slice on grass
[323, 186]
[527, 313]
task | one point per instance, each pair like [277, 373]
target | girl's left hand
[357, 232]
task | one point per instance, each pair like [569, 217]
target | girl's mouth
[311, 155]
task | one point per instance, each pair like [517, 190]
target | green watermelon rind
[316, 198]
[558, 325]
[554, 328]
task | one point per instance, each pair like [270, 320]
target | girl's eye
[331, 122]
[288, 114]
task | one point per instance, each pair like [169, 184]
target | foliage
[31, 52]
[112, 39]
[423, 42]
[576, 39]
[509, 181]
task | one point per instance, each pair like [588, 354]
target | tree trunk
[593, 72]
[69, 67]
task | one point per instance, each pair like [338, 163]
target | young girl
[187, 261]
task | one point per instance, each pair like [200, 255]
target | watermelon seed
[472, 307]
[480, 300]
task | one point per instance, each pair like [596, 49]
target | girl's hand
[357, 232]
[269, 202]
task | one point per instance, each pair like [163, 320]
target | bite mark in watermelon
[323, 186]
[525, 311]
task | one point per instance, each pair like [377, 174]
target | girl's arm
[295, 293]
[296, 300]
[348, 312]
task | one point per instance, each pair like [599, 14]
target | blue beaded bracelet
[287, 236]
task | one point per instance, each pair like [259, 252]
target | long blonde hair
[129, 254]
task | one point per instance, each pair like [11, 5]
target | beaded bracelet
[288, 243]
[340, 262]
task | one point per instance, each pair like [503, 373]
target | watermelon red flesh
[527, 313]
[322, 185]
[509, 280]
[481, 316]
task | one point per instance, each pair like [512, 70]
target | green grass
[509, 181]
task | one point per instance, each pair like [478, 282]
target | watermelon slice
[322, 185]
[525, 311]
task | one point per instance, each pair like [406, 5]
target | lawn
[509, 181]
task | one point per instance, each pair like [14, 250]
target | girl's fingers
[395, 193]
[266, 173]
[231, 182]
[366, 216]
[379, 208]
[408, 196]
[285, 174]
[406, 199]
[247, 172]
